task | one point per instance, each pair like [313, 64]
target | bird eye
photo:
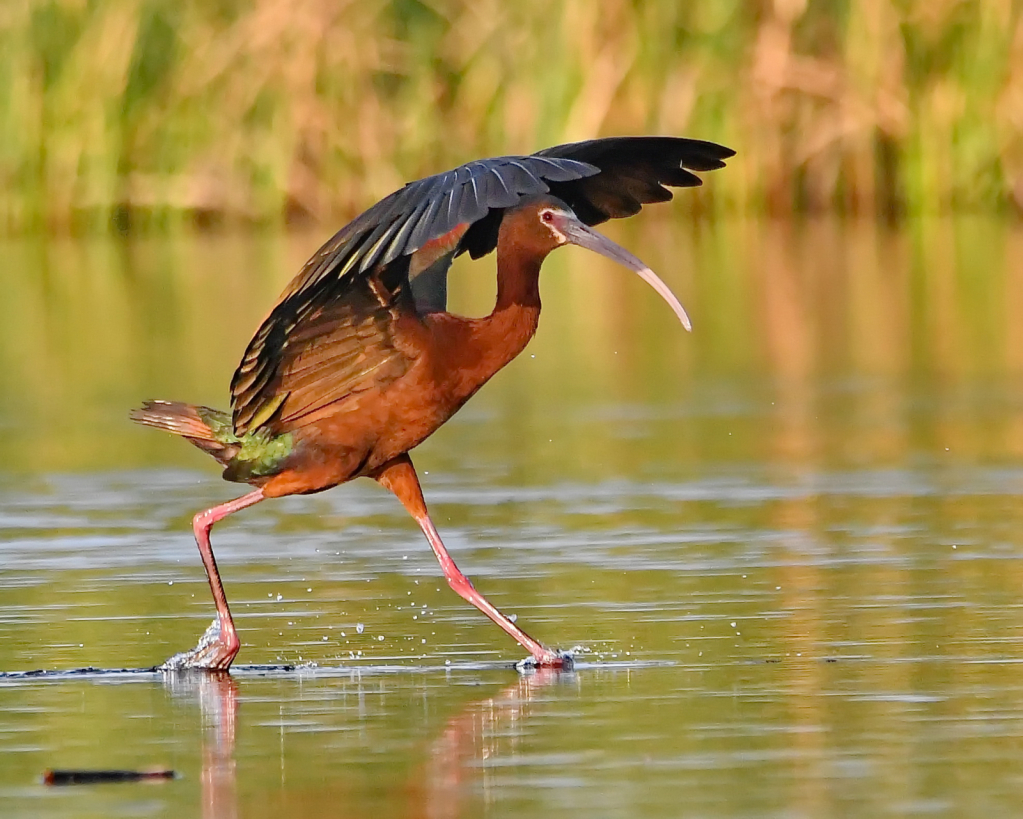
[547, 216]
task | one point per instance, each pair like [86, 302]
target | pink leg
[219, 645]
[400, 477]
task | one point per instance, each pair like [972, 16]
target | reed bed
[153, 113]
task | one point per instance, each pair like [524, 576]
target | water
[786, 547]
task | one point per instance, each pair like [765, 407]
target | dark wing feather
[337, 328]
[632, 172]
[354, 243]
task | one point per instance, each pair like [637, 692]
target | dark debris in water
[98, 777]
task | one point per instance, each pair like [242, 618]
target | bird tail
[209, 429]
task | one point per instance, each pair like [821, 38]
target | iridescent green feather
[253, 455]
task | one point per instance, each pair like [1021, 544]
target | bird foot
[214, 652]
[561, 660]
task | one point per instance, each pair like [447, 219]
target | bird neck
[518, 278]
[474, 349]
[517, 310]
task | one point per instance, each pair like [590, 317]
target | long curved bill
[579, 234]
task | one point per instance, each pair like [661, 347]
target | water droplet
[359, 627]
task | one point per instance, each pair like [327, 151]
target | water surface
[786, 547]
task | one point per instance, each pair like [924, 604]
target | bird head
[551, 223]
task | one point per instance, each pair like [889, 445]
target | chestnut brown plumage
[359, 361]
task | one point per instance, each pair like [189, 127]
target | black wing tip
[588, 147]
[713, 149]
[684, 152]
[709, 156]
[698, 154]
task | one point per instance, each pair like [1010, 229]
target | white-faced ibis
[359, 361]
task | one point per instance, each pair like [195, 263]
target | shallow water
[786, 548]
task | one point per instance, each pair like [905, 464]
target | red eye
[547, 216]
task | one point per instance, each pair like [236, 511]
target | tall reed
[135, 112]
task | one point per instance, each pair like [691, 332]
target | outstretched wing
[335, 330]
[342, 324]
[631, 172]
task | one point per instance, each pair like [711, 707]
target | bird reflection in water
[437, 788]
[217, 695]
[483, 731]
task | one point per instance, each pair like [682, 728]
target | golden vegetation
[153, 111]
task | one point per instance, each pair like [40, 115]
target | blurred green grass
[118, 114]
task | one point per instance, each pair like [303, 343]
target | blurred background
[829, 468]
[114, 114]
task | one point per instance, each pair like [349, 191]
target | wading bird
[359, 361]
